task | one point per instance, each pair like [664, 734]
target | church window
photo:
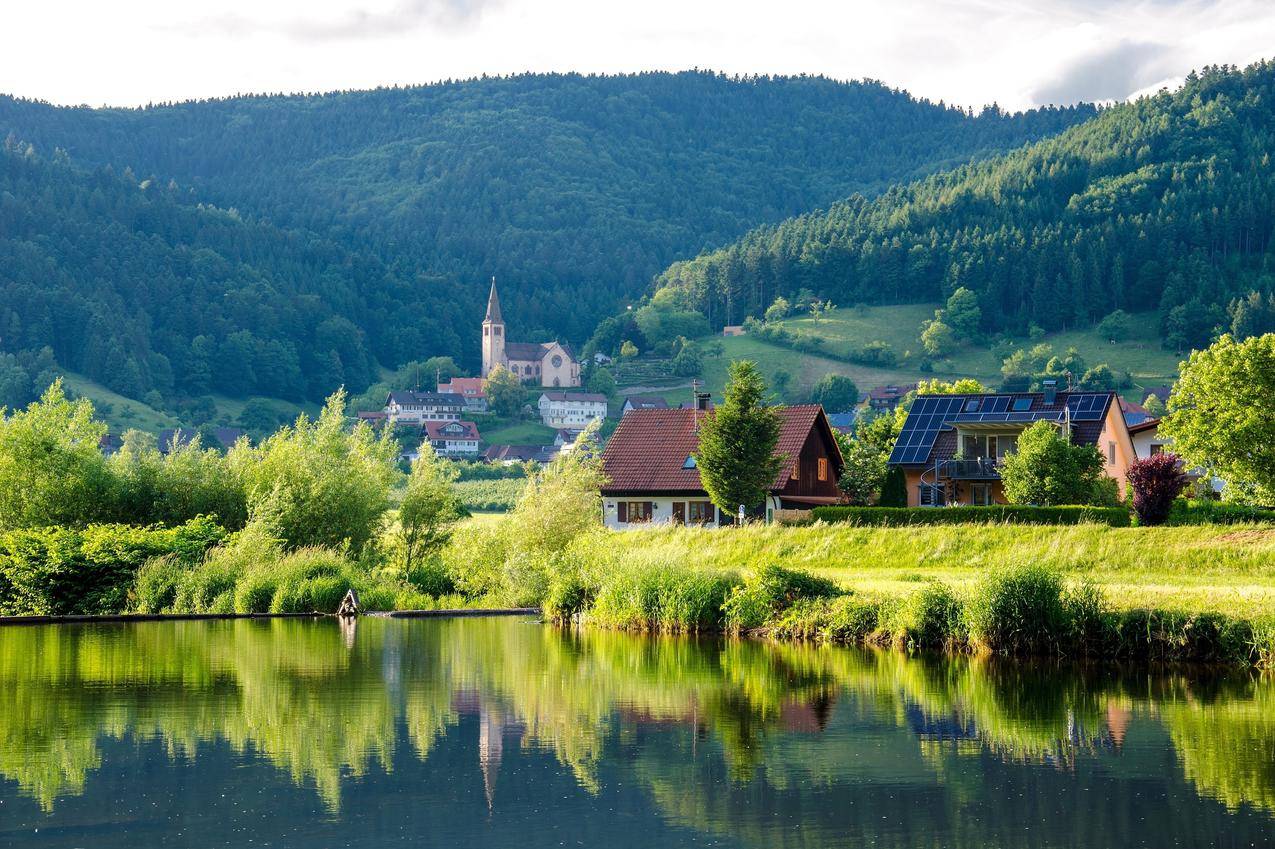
[557, 361]
[496, 330]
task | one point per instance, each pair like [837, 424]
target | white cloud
[1016, 52]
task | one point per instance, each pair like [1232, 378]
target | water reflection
[742, 742]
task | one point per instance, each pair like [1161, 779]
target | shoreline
[113, 618]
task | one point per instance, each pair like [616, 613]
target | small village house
[884, 398]
[409, 407]
[652, 477]
[643, 402]
[453, 439]
[952, 446]
[571, 410]
[469, 388]
[1147, 442]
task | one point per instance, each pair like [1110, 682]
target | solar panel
[1022, 404]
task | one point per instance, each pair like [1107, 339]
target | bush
[1185, 512]
[768, 591]
[567, 597]
[155, 589]
[929, 618]
[1115, 517]
[1019, 611]
[844, 619]
[431, 577]
[61, 571]
[673, 599]
[1157, 481]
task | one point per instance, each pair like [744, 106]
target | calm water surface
[502, 732]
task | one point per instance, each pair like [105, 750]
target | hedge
[1186, 512]
[1116, 517]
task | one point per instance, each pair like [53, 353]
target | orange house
[951, 446]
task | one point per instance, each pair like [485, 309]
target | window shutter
[622, 511]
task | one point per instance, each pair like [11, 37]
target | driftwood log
[350, 605]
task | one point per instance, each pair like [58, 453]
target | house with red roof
[652, 476]
[469, 388]
[453, 439]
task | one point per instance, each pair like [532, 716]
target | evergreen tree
[736, 454]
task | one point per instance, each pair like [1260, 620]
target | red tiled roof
[435, 430]
[472, 386]
[649, 448]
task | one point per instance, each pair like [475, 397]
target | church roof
[493, 306]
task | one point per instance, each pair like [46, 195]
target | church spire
[493, 306]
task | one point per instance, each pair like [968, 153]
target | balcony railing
[980, 468]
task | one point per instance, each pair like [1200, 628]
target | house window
[635, 512]
[1111, 453]
[699, 512]
[981, 495]
[823, 468]
[1156, 448]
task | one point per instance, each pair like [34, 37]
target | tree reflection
[721, 734]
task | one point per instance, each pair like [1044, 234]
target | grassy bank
[1202, 593]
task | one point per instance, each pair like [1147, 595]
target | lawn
[849, 329]
[519, 433]
[1226, 569]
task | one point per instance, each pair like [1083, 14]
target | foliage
[61, 571]
[499, 495]
[428, 510]
[1048, 470]
[928, 618]
[384, 237]
[736, 453]
[836, 393]
[1157, 481]
[1154, 406]
[960, 386]
[894, 492]
[676, 599]
[1152, 202]
[1222, 415]
[864, 472]
[938, 338]
[1252, 315]
[505, 393]
[962, 313]
[769, 591]
[1115, 326]
[779, 310]
[1018, 610]
[316, 483]
[1116, 517]
[602, 382]
[1210, 512]
[190, 480]
[51, 470]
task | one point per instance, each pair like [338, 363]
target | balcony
[977, 469]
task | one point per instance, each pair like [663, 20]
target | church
[541, 363]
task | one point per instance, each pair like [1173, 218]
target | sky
[1018, 53]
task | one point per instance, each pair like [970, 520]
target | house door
[679, 512]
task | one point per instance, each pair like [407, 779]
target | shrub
[894, 492]
[844, 619]
[1019, 611]
[567, 597]
[768, 591]
[1185, 512]
[61, 571]
[1157, 481]
[928, 618]
[155, 589]
[431, 577]
[677, 599]
[1116, 517]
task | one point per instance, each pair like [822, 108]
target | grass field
[521, 433]
[900, 326]
[1224, 569]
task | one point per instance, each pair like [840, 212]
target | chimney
[1051, 390]
[702, 401]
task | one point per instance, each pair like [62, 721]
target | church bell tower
[493, 333]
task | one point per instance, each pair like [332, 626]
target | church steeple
[493, 333]
[493, 306]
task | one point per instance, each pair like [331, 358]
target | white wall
[661, 510]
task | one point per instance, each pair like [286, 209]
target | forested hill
[574, 191]
[139, 287]
[1168, 202]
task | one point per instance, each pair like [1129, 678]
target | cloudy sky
[1019, 53]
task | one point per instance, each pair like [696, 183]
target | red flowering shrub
[1156, 481]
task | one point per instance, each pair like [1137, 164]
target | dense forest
[281, 245]
[1166, 203]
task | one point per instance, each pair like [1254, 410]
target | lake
[504, 732]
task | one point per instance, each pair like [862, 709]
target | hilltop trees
[1222, 415]
[736, 454]
[1165, 202]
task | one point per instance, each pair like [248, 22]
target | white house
[411, 407]
[571, 410]
[453, 439]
